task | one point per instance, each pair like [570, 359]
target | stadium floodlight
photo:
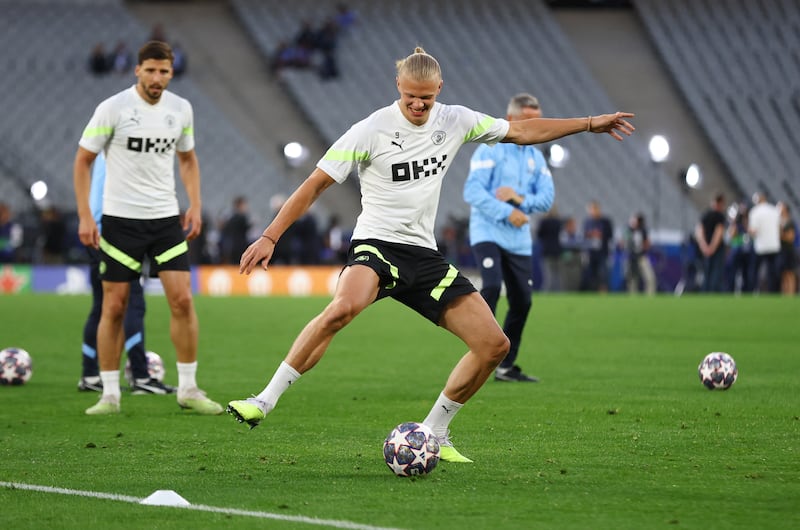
[693, 177]
[659, 151]
[39, 190]
[295, 153]
[557, 155]
[659, 148]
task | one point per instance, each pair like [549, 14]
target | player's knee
[113, 307]
[501, 347]
[181, 305]
[338, 314]
[496, 348]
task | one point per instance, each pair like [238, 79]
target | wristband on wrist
[265, 236]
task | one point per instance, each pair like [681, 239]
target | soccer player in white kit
[141, 129]
[401, 153]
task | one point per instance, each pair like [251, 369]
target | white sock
[186, 375]
[110, 381]
[284, 376]
[442, 413]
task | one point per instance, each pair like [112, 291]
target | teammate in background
[402, 152]
[141, 129]
[505, 185]
[133, 338]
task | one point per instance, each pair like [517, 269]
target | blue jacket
[520, 167]
[96, 190]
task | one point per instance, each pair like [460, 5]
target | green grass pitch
[619, 434]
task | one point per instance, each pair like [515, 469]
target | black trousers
[497, 267]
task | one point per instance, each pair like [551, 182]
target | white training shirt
[140, 141]
[401, 167]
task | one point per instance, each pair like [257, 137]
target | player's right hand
[88, 232]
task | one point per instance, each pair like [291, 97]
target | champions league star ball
[155, 367]
[411, 449]
[16, 366]
[718, 371]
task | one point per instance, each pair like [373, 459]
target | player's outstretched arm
[298, 203]
[540, 130]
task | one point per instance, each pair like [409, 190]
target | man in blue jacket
[506, 184]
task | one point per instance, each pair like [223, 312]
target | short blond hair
[419, 66]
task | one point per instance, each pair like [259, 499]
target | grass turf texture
[619, 434]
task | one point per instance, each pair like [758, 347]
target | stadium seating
[488, 52]
[50, 97]
[738, 65]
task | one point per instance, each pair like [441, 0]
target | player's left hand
[259, 251]
[613, 124]
[192, 223]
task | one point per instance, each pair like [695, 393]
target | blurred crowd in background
[750, 246]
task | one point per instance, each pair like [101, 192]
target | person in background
[597, 235]
[548, 233]
[788, 252]
[741, 252]
[11, 233]
[709, 233]
[52, 241]
[235, 231]
[98, 60]
[142, 130]
[506, 184]
[637, 245]
[572, 253]
[764, 224]
[132, 339]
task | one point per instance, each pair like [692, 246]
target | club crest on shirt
[169, 120]
[438, 137]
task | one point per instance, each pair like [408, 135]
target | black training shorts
[124, 244]
[418, 277]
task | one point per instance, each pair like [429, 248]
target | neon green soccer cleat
[106, 405]
[250, 411]
[448, 453]
[196, 400]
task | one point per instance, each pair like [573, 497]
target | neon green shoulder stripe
[479, 129]
[188, 131]
[91, 132]
[337, 155]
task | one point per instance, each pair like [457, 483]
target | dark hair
[157, 50]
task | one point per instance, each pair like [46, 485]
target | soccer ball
[411, 449]
[155, 367]
[16, 366]
[718, 371]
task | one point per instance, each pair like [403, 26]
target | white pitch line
[333, 523]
